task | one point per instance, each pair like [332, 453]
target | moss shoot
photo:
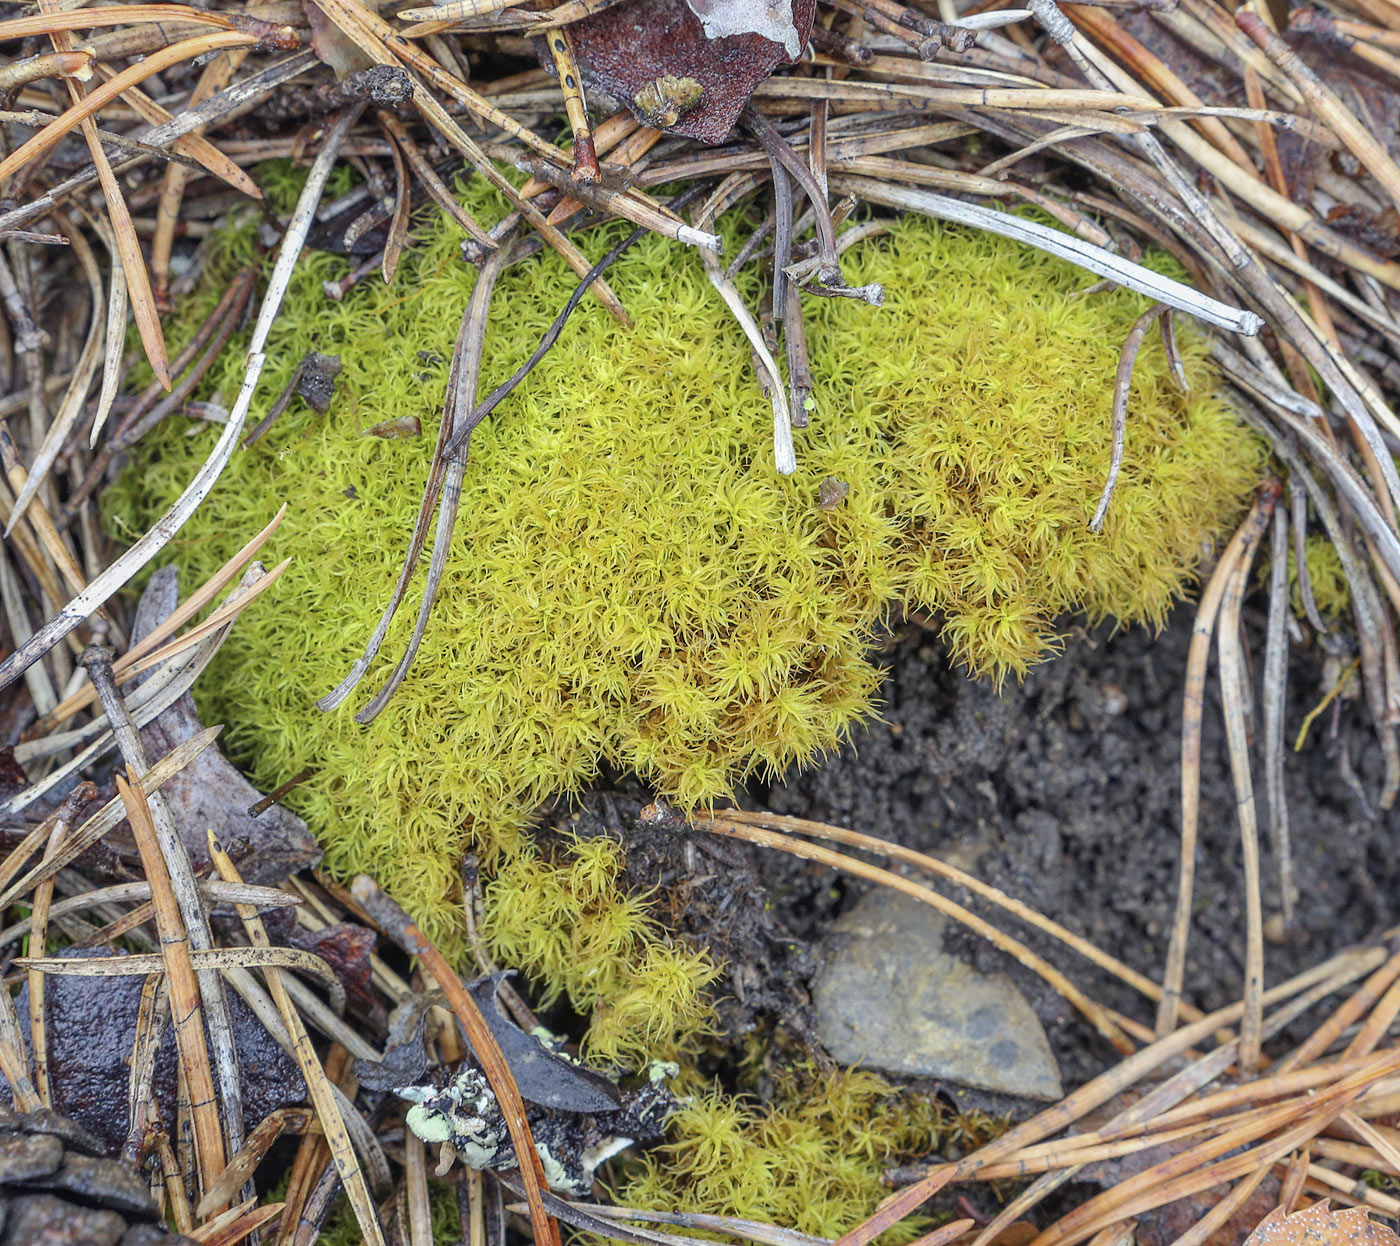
[572, 928]
[811, 1159]
[631, 583]
[1331, 593]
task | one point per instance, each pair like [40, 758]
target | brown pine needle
[234, 1225]
[130, 666]
[1318, 96]
[254, 1150]
[72, 805]
[1234, 690]
[897, 852]
[317, 1084]
[1192, 715]
[191, 144]
[395, 922]
[185, 1010]
[51, 135]
[128, 14]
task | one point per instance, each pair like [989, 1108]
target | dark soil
[1064, 791]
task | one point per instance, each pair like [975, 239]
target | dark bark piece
[544, 1076]
[405, 1060]
[47, 1121]
[12, 778]
[91, 1024]
[628, 48]
[210, 792]
[316, 384]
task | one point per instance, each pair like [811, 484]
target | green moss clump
[573, 928]
[1330, 589]
[631, 583]
[810, 1160]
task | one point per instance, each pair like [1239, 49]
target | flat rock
[106, 1182]
[25, 1156]
[891, 999]
[43, 1220]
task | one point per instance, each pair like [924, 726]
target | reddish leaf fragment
[12, 778]
[332, 45]
[629, 48]
[346, 949]
[1376, 231]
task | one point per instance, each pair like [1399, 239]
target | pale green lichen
[632, 585]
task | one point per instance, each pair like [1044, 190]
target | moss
[810, 1160]
[342, 1229]
[1329, 582]
[631, 584]
[573, 929]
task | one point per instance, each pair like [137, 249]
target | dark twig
[1298, 508]
[461, 389]
[459, 439]
[826, 267]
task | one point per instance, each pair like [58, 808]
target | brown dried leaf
[1369, 98]
[13, 780]
[346, 949]
[1163, 1225]
[1319, 1225]
[628, 48]
[332, 45]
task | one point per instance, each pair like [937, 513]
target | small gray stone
[891, 999]
[108, 1182]
[25, 1156]
[43, 1220]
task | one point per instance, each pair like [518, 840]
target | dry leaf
[770, 18]
[333, 46]
[1319, 1225]
[631, 47]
